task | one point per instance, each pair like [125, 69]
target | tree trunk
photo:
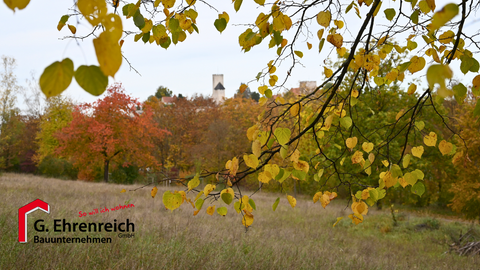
[105, 172]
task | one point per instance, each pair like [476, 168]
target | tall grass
[300, 238]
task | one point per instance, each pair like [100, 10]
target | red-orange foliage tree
[110, 130]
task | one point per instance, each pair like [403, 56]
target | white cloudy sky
[30, 36]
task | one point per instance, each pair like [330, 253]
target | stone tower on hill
[218, 89]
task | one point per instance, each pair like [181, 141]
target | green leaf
[275, 204]
[227, 198]
[222, 211]
[299, 53]
[199, 204]
[419, 174]
[237, 4]
[236, 206]
[418, 188]
[396, 171]
[414, 16]
[373, 194]
[346, 122]
[166, 43]
[174, 25]
[56, 77]
[282, 175]
[420, 125]
[390, 13]
[299, 174]
[282, 135]
[370, 201]
[220, 24]
[284, 151]
[252, 204]
[320, 46]
[91, 79]
[381, 193]
[410, 178]
[146, 37]
[404, 66]
[139, 20]
[358, 195]
[277, 38]
[406, 160]
[62, 22]
[460, 92]
[476, 111]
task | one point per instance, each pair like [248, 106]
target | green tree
[163, 91]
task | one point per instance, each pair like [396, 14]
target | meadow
[300, 238]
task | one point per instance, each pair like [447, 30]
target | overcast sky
[31, 37]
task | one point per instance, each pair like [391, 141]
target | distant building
[304, 88]
[218, 93]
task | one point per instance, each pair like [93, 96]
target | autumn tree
[384, 29]
[110, 131]
[466, 189]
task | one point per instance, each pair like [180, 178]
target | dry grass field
[300, 238]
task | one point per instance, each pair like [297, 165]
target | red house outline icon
[22, 217]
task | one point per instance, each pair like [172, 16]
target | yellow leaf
[108, 53]
[338, 24]
[295, 109]
[154, 192]
[264, 177]
[123, 191]
[292, 201]
[328, 72]
[335, 39]
[389, 180]
[251, 131]
[208, 188]
[430, 139]
[232, 166]
[443, 16]
[402, 182]
[272, 170]
[211, 210]
[356, 218]
[355, 92]
[438, 74]
[406, 160]
[172, 200]
[256, 148]
[328, 123]
[247, 219]
[446, 37]
[371, 157]
[385, 163]
[224, 15]
[198, 195]
[360, 208]
[324, 18]
[476, 84]
[56, 77]
[367, 147]
[338, 220]
[351, 142]
[417, 151]
[365, 194]
[320, 33]
[357, 157]
[195, 212]
[309, 46]
[72, 29]
[251, 161]
[194, 182]
[416, 64]
[445, 147]
[411, 89]
[93, 10]
[399, 114]
[20, 4]
[295, 156]
[301, 166]
[317, 196]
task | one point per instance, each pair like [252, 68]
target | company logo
[126, 229]
[22, 217]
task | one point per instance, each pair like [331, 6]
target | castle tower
[218, 89]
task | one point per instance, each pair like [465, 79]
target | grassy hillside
[300, 238]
